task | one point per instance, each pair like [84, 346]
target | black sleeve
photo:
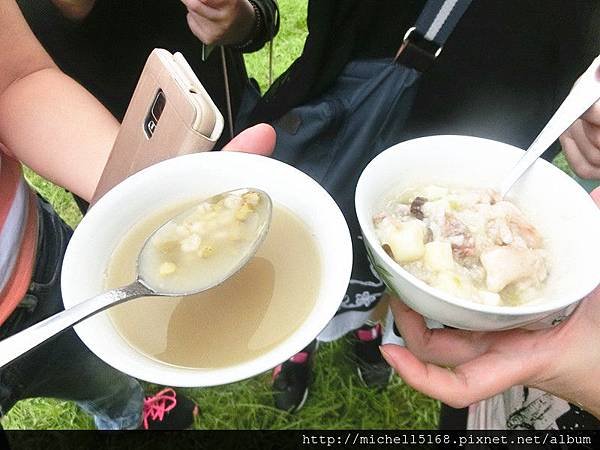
[268, 25]
[579, 43]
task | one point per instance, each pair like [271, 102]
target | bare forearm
[56, 127]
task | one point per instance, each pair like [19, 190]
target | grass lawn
[337, 399]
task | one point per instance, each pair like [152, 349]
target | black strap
[424, 42]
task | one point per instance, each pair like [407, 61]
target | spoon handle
[19, 344]
[583, 95]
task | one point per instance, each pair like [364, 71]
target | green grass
[286, 47]
[337, 400]
[59, 198]
[45, 414]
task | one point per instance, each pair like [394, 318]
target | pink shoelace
[298, 358]
[369, 334]
[158, 405]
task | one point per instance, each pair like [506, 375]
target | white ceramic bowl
[174, 181]
[562, 211]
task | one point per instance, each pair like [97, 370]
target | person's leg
[63, 367]
[357, 314]
[372, 369]
[292, 378]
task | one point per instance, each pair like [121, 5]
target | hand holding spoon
[203, 268]
[583, 95]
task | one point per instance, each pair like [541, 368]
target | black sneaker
[168, 410]
[372, 369]
[291, 380]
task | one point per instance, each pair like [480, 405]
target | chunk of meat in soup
[507, 264]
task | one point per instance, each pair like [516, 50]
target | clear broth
[241, 319]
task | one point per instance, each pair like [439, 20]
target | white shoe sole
[304, 397]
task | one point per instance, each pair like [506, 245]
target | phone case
[170, 114]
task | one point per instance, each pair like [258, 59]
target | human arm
[50, 123]
[47, 120]
[233, 22]
[462, 367]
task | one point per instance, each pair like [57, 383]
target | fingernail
[385, 354]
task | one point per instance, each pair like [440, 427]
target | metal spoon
[19, 344]
[583, 95]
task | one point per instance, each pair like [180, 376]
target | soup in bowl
[538, 245]
[268, 311]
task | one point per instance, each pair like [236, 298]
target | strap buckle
[416, 51]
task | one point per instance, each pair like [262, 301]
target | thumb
[259, 139]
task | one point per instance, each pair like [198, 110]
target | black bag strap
[424, 42]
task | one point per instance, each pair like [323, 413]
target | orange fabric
[17, 285]
[10, 174]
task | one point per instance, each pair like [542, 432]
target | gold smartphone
[170, 114]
